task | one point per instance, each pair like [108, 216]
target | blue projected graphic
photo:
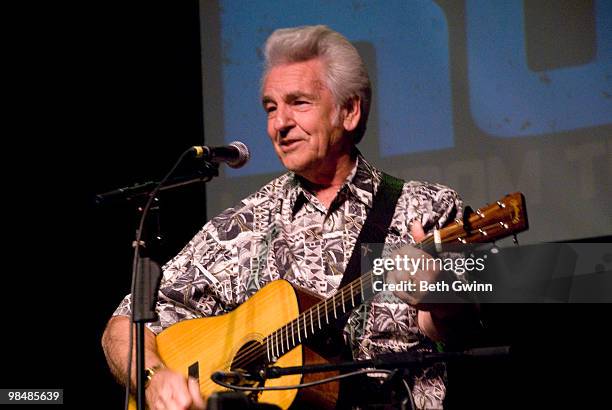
[507, 99]
[410, 39]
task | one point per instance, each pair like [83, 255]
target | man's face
[304, 123]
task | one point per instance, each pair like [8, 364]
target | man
[302, 226]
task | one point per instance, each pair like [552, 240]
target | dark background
[106, 94]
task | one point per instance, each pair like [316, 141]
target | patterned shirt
[284, 231]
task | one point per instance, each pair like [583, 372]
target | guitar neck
[505, 217]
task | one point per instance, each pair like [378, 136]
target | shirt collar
[361, 183]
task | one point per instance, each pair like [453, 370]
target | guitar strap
[374, 230]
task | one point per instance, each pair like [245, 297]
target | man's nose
[283, 120]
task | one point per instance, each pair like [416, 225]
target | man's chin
[298, 165]
[294, 165]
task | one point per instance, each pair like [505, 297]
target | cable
[409, 394]
[303, 385]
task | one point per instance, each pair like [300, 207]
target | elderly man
[303, 225]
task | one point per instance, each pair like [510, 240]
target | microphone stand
[148, 276]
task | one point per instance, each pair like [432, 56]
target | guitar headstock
[505, 217]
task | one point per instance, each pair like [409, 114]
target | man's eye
[270, 109]
[300, 102]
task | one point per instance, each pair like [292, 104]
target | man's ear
[352, 113]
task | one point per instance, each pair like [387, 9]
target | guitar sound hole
[250, 359]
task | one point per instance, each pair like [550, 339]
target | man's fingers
[171, 391]
[416, 230]
[180, 398]
[196, 396]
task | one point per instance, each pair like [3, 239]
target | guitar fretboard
[317, 317]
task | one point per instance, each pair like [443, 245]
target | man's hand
[169, 390]
[439, 321]
[426, 272]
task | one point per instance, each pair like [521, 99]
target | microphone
[235, 154]
[236, 378]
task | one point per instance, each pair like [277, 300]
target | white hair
[345, 74]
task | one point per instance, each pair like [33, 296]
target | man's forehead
[290, 95]
[290, 84]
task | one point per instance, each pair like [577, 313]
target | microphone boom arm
[129, 193]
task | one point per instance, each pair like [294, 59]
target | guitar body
[200, 347]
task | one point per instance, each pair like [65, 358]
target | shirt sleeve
[434, 205]
[203, 279]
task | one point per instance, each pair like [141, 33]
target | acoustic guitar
[273, 325]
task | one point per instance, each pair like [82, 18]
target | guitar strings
[284, 333]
